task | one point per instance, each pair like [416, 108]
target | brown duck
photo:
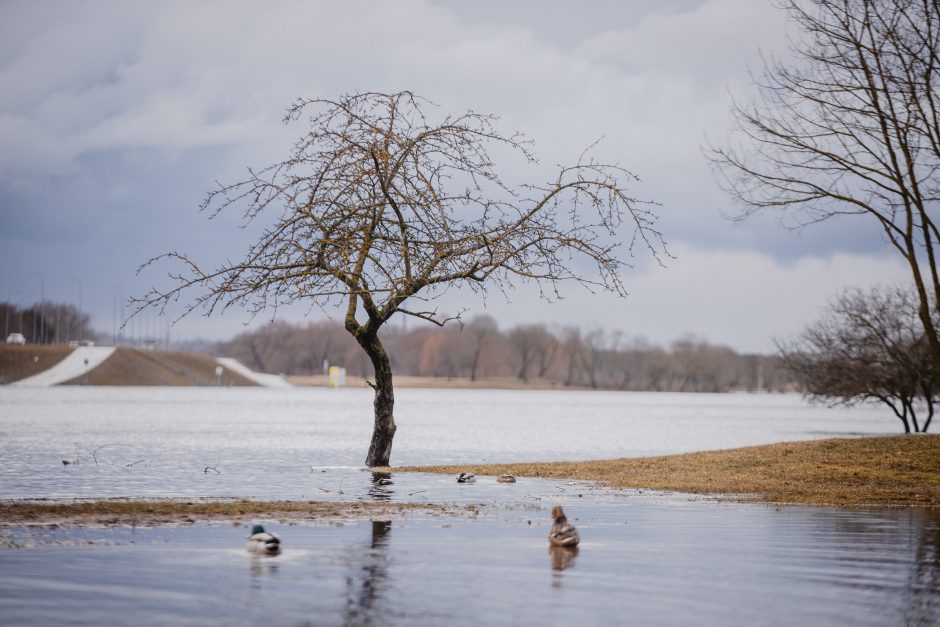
[562, 532]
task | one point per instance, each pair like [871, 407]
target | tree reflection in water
[381, 489]
[924, 580]
[368, 584]
[851, 548]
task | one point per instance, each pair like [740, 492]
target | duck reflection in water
[261, 567]
[562, 556]
[382, 483]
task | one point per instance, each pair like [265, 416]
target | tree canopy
[381, 209]
[869, 346]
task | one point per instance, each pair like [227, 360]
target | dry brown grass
[19, 361]
[161, 512]
[881, 471]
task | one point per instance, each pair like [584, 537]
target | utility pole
[42, 299]
[81, 326]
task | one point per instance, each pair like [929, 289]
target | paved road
[267, 380]
[81, 360]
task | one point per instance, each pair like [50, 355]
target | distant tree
[546, 349]
[574, 347]
[379, 207]
[481, 330]
[565, 356]
[869, 347]
[46, 323]
[851, 127]
[523, 341]
[594, 353]
[12, 319]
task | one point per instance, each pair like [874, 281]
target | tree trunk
[383, 430]
[476, 361]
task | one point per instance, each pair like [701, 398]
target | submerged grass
[880, 471]
[168, 511]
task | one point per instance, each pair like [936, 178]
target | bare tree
[523, 341]
[868, 346]
[546, 348]
[481, 330]
[381, 207]
[574, 347]
[852, 127]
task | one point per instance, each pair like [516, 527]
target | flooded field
[274, 443]
[645, 558]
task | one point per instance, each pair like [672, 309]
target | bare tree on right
[869, 346]
[852, 126]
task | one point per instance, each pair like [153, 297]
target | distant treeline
[46, 322]
[566, 356]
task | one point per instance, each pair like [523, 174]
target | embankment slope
[126, 366]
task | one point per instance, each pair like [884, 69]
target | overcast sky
[117, 117]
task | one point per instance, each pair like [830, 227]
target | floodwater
[645, 558]
[263, 443]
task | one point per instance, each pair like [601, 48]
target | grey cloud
[116, 117]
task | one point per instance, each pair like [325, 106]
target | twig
[94, 453]
[212, 468]
[131, 465]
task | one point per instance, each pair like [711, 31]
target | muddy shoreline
[150, 513]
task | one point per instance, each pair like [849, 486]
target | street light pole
[42, 299]
[81, 326]
[115, 327]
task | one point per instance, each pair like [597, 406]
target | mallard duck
[505, 479]
[260, 541]
[562, 532]
[466, 477]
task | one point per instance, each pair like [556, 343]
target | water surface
[270, 443]
[646, 558]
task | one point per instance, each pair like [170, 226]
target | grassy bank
[126, 366]
[129, 366]
[20, 361]
[169, 511]
[881, 471]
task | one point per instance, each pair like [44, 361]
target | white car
[16, 338]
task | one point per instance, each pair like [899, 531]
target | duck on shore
[562, 533]
[262, 542]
